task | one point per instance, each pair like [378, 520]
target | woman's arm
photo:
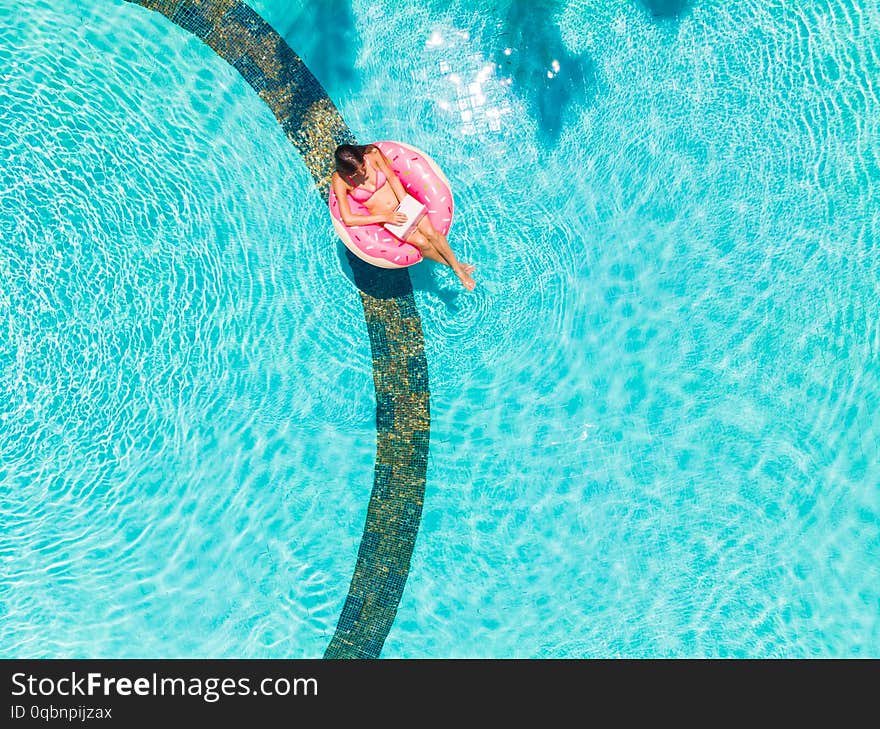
[392, 178]
[348, 217]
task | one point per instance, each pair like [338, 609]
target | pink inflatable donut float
[421, 178]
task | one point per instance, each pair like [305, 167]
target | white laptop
[414, 211]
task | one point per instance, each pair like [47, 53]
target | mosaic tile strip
[250, 45]
[395, 508]
[400, 371]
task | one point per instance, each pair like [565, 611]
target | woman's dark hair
[350, 158]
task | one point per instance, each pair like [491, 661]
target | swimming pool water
[654, 424]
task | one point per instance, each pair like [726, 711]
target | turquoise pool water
[654, 424]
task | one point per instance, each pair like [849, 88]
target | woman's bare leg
[425, 247]
[442, 248]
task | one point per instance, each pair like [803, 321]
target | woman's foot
[464, 275]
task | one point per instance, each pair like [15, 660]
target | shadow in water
[386, 283]
[331, 53]
[664, 9]
[530, 51]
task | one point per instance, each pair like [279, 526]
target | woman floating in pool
[363, 172]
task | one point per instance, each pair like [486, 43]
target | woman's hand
[395, 217]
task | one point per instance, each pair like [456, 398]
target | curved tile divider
[400, 372]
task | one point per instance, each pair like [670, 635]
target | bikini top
[362, 195]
